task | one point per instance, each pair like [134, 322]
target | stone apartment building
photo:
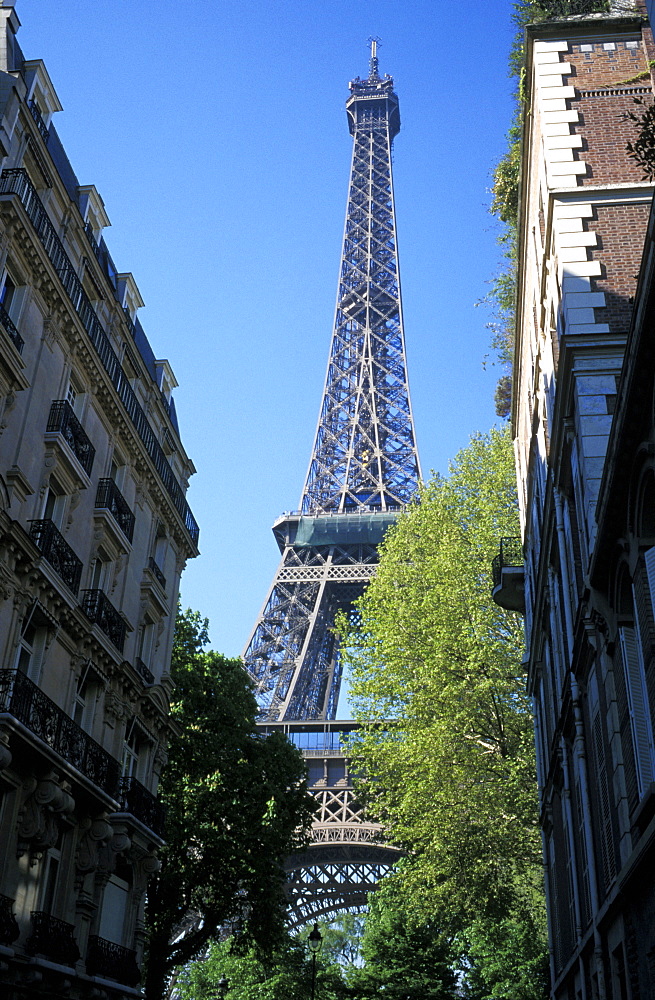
[94, 533]
[584, 428]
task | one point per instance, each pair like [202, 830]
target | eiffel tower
[364, 466]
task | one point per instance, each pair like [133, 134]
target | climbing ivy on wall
[505, 187]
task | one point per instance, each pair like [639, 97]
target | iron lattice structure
[364, 466]
[347, 855]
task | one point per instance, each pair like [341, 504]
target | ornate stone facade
[94, 533]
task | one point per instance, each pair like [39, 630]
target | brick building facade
[94, 534]
[583, 419]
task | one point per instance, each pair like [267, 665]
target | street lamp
[315, 941]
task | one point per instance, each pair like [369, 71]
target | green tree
[284, 974]
[237, 806]
[342, 939]
[436, 678]
[404, 958]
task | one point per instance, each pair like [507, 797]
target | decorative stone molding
[95, 834]
[46, 802]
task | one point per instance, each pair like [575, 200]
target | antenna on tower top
[373, 72]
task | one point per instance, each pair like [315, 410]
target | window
[160, 547]
[115, 901]
[31, 647]
[135, 751]
[7, 292]
[97, 574]
[117, 471]
[147, 642]
[54, 504]
[50, 879]
[86, 694]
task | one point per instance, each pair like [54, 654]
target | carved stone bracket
[47, 801]
[96, 833]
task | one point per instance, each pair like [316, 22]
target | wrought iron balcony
[99, 609]
[10, 327]
[20, 697]
[15, 181]
[53, 938]
[62, 419]
[156, 572]
[507, 575]
[53, 546]
[143, 670]
[40, 124]
[142, 804]
[9, 929]
[104, 958]
[109, 497]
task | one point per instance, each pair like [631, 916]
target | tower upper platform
[373, 100]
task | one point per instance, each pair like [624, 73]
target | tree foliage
[436, 666]
[285, 973]
[404, 958]
[237, 806]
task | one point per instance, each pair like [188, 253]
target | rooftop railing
[53, 546]
[110, 498]
[20, 697]
[62, 419]
[98, 608]
[16, 181]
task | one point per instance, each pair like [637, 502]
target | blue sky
[215, 132]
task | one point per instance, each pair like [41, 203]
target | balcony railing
[93, 243]
[40, 124]
[104, 958]
[62, 419]
[53, 546]
[16, 181]
[53, 938]
[508, 576]
[156, 572]
[20, 697]
[10, 327]
[142, 804]
[99, 609]
[143, 670]
[109, 497]
[510, 555]
[9, 929]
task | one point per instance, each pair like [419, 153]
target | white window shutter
[642, 733]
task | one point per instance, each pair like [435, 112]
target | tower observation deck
[364, 466]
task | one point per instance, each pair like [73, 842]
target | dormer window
[93, 212]
[129, 296]
[165, 379]
[41, 94]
